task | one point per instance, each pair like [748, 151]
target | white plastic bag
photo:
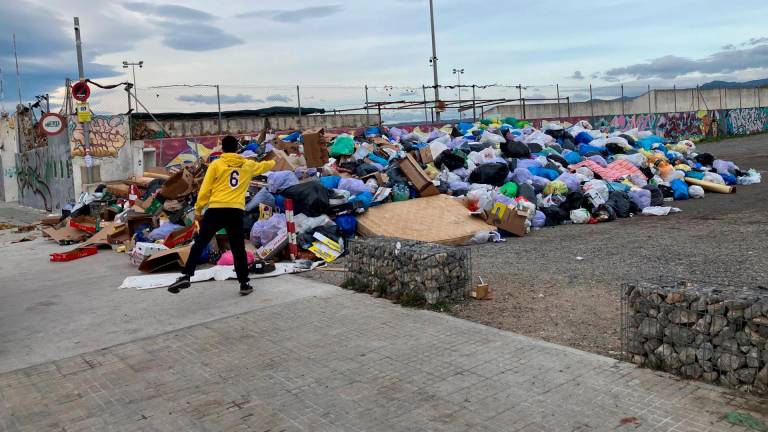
[596, 191]
[695, 191]
[580, 216]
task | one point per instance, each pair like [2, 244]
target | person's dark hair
[229, 144]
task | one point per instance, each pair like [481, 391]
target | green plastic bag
[556, 188]
[509, 189]
[343, 145]
[400, 192]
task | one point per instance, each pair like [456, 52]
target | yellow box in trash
[499, 209]
[324, 252]
[328, 242]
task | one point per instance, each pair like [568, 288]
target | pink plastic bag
[227, 259]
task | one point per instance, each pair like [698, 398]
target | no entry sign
[81, 91]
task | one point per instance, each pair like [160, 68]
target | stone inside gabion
[435, 272]
[715, 334]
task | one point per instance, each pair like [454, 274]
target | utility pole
[86, 125]
[218, 103]
[459, 73]
[133, 65]
[18, 108]
[433, 60]
[367, 110]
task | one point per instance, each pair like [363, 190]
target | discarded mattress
[614, 171]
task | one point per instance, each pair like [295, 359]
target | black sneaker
[180, 284]
[245, 289]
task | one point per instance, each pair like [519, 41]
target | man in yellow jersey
[223, 192]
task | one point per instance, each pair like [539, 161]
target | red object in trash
[133, 194]
[74, 254]
[180, 236]
[87, 228]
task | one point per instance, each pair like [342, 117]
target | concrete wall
[44, 175]
[661, 101]
[209, 126]
[9, 189]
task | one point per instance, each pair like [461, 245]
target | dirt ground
[562, 284]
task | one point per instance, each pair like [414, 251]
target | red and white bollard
[293, 247]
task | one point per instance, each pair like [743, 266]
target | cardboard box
[315, 148]
[508, 219]
[417, 177]
[118, 235]
[84, 223]
[282, 162]
[162, 259]
[134, 220]
[178, 185]
[120, 190]
[425, 155]
[286, 146]
[274, 247]
[50, 220]
[66, 235]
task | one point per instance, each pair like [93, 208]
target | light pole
[433, 60]
[459, 73]
[133, 65]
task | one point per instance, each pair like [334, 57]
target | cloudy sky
[260, 50]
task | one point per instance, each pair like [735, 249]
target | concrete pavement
[78, 354]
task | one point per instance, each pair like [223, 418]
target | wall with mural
[107, 136]
[693, 125]
[746, 121]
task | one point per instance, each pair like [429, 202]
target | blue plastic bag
[365, 199]
[729, 179]
[347, 225]
[293, 137]
[547, 173]
[262, 197]
[679, 189]
[572, 157]
[698, 175]
[330, 182]
[163, 230]
[586, 148]
[583, 138]
[377, 159]
[354, 186]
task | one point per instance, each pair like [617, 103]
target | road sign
[84, 114]
[80, 91]
[52, 123]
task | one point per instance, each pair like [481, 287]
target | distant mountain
[729, 84]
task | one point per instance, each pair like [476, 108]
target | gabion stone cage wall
[398, 269]
[718, 335]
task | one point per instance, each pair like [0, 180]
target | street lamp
[133, 65]
[459, 73]
[433, 60]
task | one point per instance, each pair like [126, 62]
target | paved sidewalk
[348, 362]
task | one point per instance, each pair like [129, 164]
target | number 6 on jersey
[234, 179]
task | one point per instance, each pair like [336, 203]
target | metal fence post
[568, 101]
[367, 110]
[649, 99]
[591, 104]
[298, 100]
[426, 110]
[522, 104]
[557, 87]
[474, 107]
[623, 112]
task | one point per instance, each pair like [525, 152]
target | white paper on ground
[659, 211]
[218, 273]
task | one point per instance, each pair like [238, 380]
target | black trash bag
[657, 197]
[409, 145]
[567, 144]
[395, 174]
[535, 147]
[490, 173]
[551, 165]
[705, 159]
[620, 203]
[630, 151]
[555, 215]
[647, 172]
[630, 139]
[152, 187]
[604, 213]
[455, 133]
[450, 160]
[667, 191]
[248, 220]
[310, 198]
[100, 188]
[573, 201]
[559, 159]
[614, 148]
[592, 153]
[365, 168]
[557, 148]
[526, 191]
[515, 149]
[350, 166]
[556, 133]
[511, 164]
[475, 146]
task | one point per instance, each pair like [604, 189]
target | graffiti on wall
[693, 125]
[178, 151]
[108, 135]
[747, 120]
[44, 175]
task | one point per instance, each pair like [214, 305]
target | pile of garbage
[501, 173]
